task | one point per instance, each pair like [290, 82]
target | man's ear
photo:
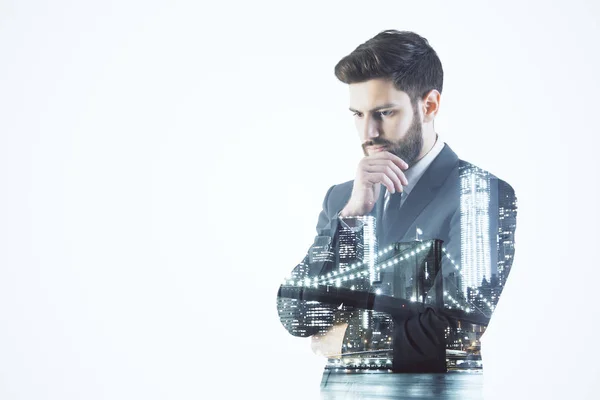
[431, 105]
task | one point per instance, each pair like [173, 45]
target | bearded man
[410, 182]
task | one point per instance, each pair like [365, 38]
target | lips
[372, 148]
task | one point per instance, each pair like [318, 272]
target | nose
[369, 129]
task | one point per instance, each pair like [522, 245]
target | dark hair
[404, 57]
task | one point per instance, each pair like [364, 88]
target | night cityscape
[361, 284]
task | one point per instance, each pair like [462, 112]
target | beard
[407, 148]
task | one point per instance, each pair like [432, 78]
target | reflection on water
[386, 385]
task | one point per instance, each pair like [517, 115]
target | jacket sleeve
[305, 317]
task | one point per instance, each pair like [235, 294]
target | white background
[162, 166]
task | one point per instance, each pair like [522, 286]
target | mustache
[376, 142]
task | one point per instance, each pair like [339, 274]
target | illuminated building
[357, 243]
[476, 243]
[507, 223]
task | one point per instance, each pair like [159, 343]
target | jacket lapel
[421, 195]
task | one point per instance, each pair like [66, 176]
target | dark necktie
[390, 214]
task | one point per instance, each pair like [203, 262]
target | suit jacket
[433, 206]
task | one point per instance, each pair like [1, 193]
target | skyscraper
[357, 243]
[507, 223]
[476, 243]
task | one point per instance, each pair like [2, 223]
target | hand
[381, 168]
[329, 344]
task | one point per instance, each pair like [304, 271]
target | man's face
[386, 120]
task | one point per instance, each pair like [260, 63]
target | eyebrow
[388, 105]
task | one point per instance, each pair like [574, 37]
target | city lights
[472, 280]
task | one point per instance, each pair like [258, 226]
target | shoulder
[341, 189]
[337, 196]
[467, 169]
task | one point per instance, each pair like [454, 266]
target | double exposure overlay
[413, 302]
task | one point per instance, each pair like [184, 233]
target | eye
[386, 113]
[357, 114]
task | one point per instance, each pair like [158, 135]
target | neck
[429, 138]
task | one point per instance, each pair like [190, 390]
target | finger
[398, 180]
[392, 157]
[380, 177]
[393, 167]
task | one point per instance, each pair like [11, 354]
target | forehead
[367, 95]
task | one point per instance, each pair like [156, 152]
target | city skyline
[467, 283]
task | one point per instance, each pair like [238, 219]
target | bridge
[329, 288]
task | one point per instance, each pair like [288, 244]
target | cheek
[395, 129]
